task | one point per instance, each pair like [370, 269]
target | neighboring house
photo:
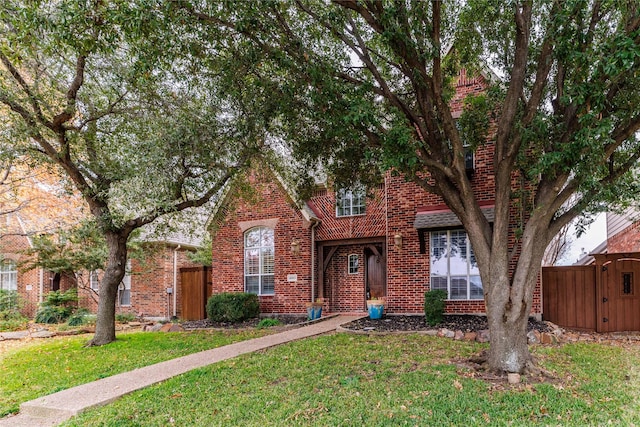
[31, 285]
[623, 235]
[345, 247]
[151, 287]
[39, 204]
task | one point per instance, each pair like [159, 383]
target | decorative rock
[547, 338]
[446, 333]
[533, 337]
[17, 335]
[369, 328]
[152, 328]
[171, 327]
[513, 378]
[470, 336]
[134, 324]
[458, 335]
[431, 332]
[483, 336]
[43, 334]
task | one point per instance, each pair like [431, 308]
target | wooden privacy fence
[569, 296]
[603, 297]
[195, 284]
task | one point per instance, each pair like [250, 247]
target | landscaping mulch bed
[464, 323]
[250, 323]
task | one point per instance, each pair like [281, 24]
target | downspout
[313, 258]
[175, 279]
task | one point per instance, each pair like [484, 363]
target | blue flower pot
[314, 312]
[375, 310]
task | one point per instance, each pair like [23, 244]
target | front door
[376, 273]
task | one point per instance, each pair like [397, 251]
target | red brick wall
[150, 279]
[270, 202]
[11, 246]
[391, 212]
[628, 240]
[373, 224]
[345, 292]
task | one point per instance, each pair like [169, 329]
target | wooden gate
[195, 283]
[619, 308]
[603, 297]
[569, 296]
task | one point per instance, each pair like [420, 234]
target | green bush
[434, 304]
[57, 306]
[9, 301]
[12, 320]
[82, 316]
[232, 307]
[267, 323]
[125, 317]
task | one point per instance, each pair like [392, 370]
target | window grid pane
[453, 265]
[350, 202]
[354, 260]
[259, 261]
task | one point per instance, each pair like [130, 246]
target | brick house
[152, 286]
[345, 247]
[30, 285]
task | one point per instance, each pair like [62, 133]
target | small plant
[125, 317]
[232, 307]
[434, 304]
[268, 323]
[82, 316]
[10, 317]
[57, 306]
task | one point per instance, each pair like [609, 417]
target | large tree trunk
[508, 350]
[114, 272]
[509, 299]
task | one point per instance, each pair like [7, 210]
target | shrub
[125, 317]
[232, 307]
[434, 304]
[12, 320]
[57, 306]
[267, 323]
[9, 301]
[82, 316]
[52, 314]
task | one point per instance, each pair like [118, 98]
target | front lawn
[57, 364]
[348, 380]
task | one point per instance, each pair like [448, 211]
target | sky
[596, 233]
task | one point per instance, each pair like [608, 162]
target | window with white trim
[259, 261]
[94, 281]
[8, 276]
[350, 202]
[124, 290]
[354, 261]
[453, 265]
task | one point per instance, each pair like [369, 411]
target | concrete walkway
[55, 408]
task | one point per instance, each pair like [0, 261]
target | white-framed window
[8, 275]
[354, 262]
[94, 280]
[453, 265]
[350, 202]
[124, 290]
[259, 261]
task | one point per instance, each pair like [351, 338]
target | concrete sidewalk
[55, 408]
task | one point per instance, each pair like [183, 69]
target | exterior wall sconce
[397, 241]
[295, 247]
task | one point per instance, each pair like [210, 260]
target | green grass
[347, 380]
[44, 368]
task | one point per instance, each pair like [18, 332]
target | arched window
[8, 275]
[259, 261]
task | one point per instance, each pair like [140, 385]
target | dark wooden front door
[621, 295]
[376, 274]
